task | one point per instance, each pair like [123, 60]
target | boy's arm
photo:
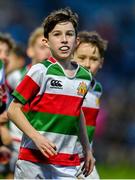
[5, 135]
[16, 115]
[89, 160]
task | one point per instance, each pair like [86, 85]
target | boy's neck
[69, 67]
[66, 64]
[34, 61]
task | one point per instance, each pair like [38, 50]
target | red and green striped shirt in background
[52, 103]
[90, 107]
[12, 80]
[3, 87]
[15, 77]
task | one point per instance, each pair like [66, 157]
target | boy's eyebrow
[60, 31]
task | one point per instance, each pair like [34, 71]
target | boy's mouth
[64, 48]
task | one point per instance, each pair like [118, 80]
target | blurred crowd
[115, 21]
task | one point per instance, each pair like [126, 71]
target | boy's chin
[64, 57]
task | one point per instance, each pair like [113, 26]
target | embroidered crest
[82, 89]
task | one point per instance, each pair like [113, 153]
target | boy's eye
[81, 57]
[70, 34]
[94, 59]
[56, 34]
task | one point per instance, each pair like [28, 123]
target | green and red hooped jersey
[52, 105]
[90, 107]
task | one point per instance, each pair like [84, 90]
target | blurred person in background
[16, 59]
[37, 51]
[6, 45]
[90, 54]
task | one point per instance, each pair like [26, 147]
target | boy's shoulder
[98, 87]
[95, 86]
[48, 62]
[84, 73]
[52, 67]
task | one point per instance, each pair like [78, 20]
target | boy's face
[88, 56]
[4, 52]
[15, 62]
[62, 40]
[39, 51]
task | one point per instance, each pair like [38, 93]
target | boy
[47, 119]
[90, 54]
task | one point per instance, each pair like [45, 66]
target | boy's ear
[45, 41]
[77, 41]
[30, 52]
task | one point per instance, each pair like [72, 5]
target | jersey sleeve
[30, 85]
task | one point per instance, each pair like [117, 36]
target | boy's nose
[87, 63]
[64, 39]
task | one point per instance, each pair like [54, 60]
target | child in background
[90, 54]
[37, 52]
[42, 107]
[6, 45]
[4, 134]
[17, 59]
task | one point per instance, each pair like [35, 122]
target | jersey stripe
[67, 140]
[59, 159]
[90, 131]
[90, 115]
[65, 124]
[57, 104]
[19, 97]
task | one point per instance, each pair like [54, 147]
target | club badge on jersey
[82, 89]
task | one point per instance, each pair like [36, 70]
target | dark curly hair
[58, 16]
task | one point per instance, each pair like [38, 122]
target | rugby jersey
[90, 107]
[53, 103]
